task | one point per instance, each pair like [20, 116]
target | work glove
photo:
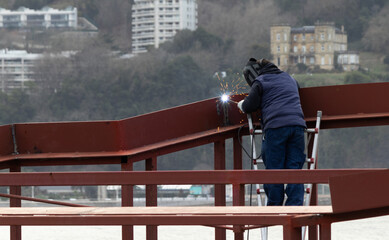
[240, 103]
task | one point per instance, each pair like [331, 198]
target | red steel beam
[369, 188]
[109, 220]
[12, 196]
[175, 177]
[342, 106]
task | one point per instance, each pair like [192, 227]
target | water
[371, 229]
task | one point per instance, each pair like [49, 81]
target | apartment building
[45, 18]
[16, 69]
[322, 45]
[157, 21]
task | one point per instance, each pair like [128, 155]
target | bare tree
[376, 37]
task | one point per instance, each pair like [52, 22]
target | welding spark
[225, 98]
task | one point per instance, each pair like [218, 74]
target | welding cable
[252, 144]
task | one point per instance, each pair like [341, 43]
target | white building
[348, 60]
[45, 18]
[157, 21]
[16, 68]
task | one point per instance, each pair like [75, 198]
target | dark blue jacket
[278, 98]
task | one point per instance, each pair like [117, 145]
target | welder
[276, 94]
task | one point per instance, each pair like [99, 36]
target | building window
[295, 49]
[322, 47]
[303, 37]
[278, 36]
[352, 59]
[295, 37]
[304, 49]
[285, 49]
[312, 37]
[321, 36]
[311, 49]
[329, 48]
[304, 59]
[312, 60]
[278, 49]
[285, 37]
[322, 61]
[329, 36]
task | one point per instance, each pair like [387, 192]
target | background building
[157, 21]
[16, 68]
[315, 46]
[45, 18]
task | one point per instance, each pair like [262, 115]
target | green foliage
[36, 4]
[187, 40]
[356, 77]
[16, 107]
[386, 60]
[261, 50]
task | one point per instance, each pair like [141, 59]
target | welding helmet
[251, 71]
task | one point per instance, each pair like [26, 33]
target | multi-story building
[16, 68]
[157, 21]
[321, 45]
[45, 18]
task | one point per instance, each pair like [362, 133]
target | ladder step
[312, 130]
[308, 130]
[256, 161]
[307, 160]
[260, 190]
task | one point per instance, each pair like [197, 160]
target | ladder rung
[310, 160]
[258, 132]
[312, 130]
[260, 190]
[255, 161]
[307, 160]
[308, 130]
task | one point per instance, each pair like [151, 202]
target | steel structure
[146, 137]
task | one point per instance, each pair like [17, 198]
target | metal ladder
[311, 163]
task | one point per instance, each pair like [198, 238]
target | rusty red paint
[175, 177]
[154, 134]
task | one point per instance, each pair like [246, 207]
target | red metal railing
[146, 137]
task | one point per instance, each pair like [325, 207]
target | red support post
[237, 148]
[292, 233]
[220, 189]
[325, 231]
[127, 199]
[313, 230]
[238, 200]
[151, 198]
[16, 231]
[238, 189]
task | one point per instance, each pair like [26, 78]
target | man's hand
[240, 103]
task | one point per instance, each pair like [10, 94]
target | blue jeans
[283, 148]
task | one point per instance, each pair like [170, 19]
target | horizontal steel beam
[107, 220]
[249, 215]
[40, 200]
[174, 177]
[342, 106]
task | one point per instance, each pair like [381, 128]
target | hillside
[95, 85]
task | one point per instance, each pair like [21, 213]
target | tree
[16, 107]
[36, 4]
[376, 37]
